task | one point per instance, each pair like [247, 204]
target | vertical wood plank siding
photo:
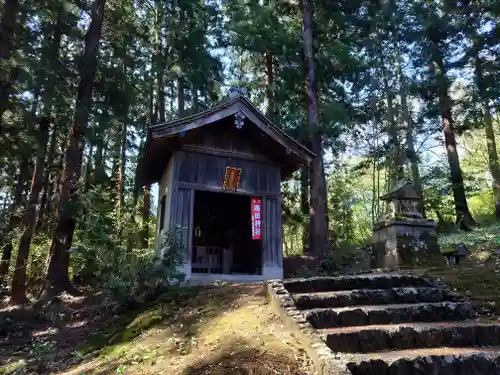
[181, 215]
[272, 232]
[208, 170]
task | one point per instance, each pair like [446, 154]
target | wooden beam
[225, 153]
[218, 189]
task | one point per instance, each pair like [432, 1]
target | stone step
[366, 339]
[365, 281]
[374, 296]
[389, 314]
[438, 361]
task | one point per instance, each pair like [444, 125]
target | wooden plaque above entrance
[232, 179]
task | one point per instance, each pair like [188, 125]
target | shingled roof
[238, 104]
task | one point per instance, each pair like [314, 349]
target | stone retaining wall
[325, 361]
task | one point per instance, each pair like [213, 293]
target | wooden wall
[181, 214]
[165, 188]
[199, 170]
[273, 232]
[207, 171]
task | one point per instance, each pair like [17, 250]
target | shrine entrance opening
[224, 238]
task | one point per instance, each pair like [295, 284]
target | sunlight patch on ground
[210, 336]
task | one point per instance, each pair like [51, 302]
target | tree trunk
[410, 142]
[18, 291]
[14, 219]
[8, 27]
[488, 128]
[181, 105]
[57, 178]
[396, 171]
[160, 61]
[57, 279]
[304, 206]
[121, 172]
[194, 98]
[270, 113]
[99, 165]
[46, 183]
[463, 215]
[146, 206]
[116, 134]
[319, 211]
[88, 169]
[180, 96]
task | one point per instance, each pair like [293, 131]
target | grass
[476, 277]
[482, 242]
[228, 330]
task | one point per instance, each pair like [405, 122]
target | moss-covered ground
[189, 331]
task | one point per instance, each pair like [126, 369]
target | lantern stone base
[402, 243]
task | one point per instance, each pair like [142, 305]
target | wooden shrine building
[219, 174]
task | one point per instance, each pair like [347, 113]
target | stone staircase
[391, 324]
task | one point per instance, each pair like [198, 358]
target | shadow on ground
[68, 333]
[241, 358]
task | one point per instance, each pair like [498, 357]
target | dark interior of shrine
[222, 235]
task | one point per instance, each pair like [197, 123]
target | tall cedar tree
[319, 208]
[57, 279]
[8, 27]
[463, 215]
[18, 290]
[14, 218]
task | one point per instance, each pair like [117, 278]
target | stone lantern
[403, 237]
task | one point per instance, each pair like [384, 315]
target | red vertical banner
[256, 211]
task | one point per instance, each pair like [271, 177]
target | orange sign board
[232, 179]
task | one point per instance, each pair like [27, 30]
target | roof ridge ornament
[239, 120]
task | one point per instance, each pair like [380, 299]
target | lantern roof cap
[402, 190]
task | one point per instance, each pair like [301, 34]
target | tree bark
[123, 162]
[396, 170]
[57, 279]
[160, 60]
[181, 101]
[304, 206]
[14, 219]
[319, 211]
[18, 290]
[46, 185]
[116, 134]
[194, 98]
[410, 142]
[8, 27]
[268, 60]
[463, 215]
[493, 163]
[99, 166]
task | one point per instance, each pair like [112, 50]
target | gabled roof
[149, 170]
[238, 103]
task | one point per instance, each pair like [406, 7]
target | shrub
[139, 281]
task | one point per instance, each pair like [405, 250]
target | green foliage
[348, 207]
[484, 237]
[109, 254]
[145, 277]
